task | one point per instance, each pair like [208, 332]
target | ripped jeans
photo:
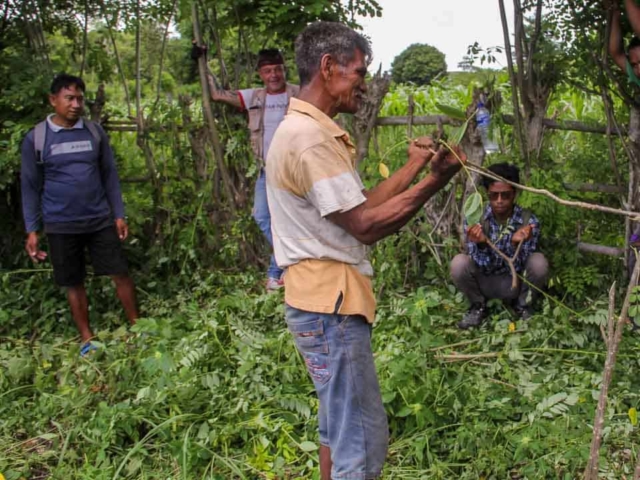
[352, 422]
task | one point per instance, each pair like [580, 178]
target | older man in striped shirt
[323, 220]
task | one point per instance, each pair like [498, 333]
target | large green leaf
[452, 112]
[473, 208]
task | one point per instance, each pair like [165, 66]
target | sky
[449, 25]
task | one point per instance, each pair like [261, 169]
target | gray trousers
[478, 288]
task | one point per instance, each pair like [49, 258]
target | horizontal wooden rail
[600, 249]
[144, 179]
[551, 124]
[417, 120]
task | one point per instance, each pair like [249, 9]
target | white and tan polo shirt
[311, 173]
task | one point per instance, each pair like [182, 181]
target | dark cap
[270, 56]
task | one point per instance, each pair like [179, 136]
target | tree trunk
[535, 128]
[616, 329]
[197, 138]
[633, 198]
[514, 83]
[96, 107]
[364, 121]
[214, 137]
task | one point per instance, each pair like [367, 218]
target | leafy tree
[419, 63]
[466, 64]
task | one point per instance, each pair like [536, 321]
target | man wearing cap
[266, 108]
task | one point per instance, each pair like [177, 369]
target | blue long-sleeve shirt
[81, 185]
[500, 235]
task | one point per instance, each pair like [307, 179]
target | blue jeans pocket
[312, 343]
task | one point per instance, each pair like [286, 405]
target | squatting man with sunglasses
[482, 274]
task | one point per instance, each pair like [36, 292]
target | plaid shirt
[488, 260]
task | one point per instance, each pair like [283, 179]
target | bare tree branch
[552, 196]
[615, 336]
[512, 77]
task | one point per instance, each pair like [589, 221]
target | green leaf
[452, 112]
[473, 208]
[404, 411]
[633, 416]
[308, 446]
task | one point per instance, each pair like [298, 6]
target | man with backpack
[265, 108]
[71, 190]
[481, 273]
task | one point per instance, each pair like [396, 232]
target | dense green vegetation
[209, 385]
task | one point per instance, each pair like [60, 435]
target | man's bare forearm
[390, 216]
[396, 184]
[230, 97]
[633, 12]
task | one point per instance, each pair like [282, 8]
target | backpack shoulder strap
[39, 135]
[91, 126]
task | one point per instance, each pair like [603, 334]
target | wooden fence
[413, 120]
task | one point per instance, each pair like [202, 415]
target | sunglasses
[508, 195]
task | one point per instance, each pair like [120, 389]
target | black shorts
[67, 253]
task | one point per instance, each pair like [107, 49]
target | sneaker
[274, 284]
[87, 348]
[474, 316]
[524, 313]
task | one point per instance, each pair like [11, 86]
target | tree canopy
[419, 63]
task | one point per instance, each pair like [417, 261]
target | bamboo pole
[208, 111]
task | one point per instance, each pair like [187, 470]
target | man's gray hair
[322, 38]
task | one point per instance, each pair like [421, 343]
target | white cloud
[450, 26]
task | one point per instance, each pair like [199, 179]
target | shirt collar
[305, 108]
[56, 128]
[516, 216]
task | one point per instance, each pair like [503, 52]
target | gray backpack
[39, 135]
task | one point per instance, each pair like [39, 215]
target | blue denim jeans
[351, 418]
[263, 218]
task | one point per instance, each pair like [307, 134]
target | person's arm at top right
[616, 49]
[633, 14]
[230, 97]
